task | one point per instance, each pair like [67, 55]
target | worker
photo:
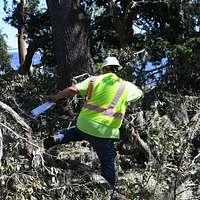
[107, 96]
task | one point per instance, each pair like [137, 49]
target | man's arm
[67, 92]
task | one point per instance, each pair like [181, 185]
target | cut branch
[15, 116]
[20, 121]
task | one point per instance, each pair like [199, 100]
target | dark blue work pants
[104, 148]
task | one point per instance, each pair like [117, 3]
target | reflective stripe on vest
[105, 111]
[109, 110]
[118, 95]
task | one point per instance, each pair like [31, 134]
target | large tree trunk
[21, 31]
[70, 39]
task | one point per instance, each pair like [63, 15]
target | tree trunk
[70, 39]
[21, 31]
[35, 44]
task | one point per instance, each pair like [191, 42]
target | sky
[10, 31]
[7, 29]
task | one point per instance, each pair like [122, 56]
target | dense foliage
[158, 44]
[182, 75]
[164, 29]
[169, 124]
[37, 29]
[4, 56]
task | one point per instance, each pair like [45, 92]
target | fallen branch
[15, 116]
[18, 136]
[20, 121]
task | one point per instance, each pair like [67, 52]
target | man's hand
[70, 91]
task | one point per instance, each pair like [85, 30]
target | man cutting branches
[99, 121]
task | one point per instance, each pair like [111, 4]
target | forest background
[157, 43]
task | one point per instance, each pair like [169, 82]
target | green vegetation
[142, 34]
[4, 56]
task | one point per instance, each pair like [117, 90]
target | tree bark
[21, 31]
[70, 39]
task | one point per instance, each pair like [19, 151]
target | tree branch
[20, 121]
[15, 116]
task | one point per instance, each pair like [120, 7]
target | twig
[194, 159]
[138, 52]
[19, 136]
[22, 111]
[74, 80]
[39, 148]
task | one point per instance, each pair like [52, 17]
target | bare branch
[15, 116]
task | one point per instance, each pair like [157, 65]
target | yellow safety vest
[106, 100]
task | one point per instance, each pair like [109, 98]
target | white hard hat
[111, 61]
